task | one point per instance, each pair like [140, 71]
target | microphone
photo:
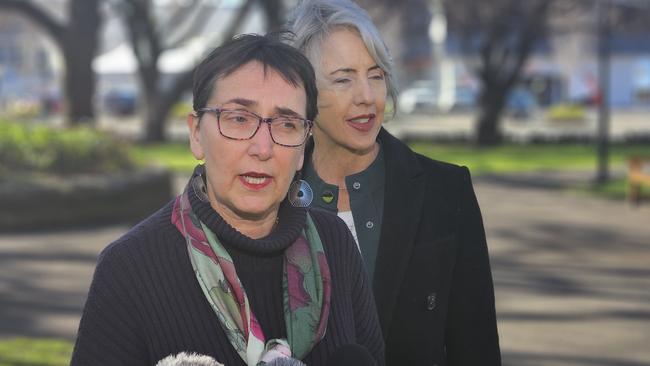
[188, 359]
[351, 355]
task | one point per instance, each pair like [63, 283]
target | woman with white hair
[416, 221]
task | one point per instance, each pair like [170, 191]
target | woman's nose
[364, 93]
[261, 145]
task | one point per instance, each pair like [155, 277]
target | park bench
[637, 176]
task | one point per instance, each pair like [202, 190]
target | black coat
[432, 283]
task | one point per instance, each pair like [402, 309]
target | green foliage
[38, 148]
[180, 110]
[175, 156]
[35, 352]
[567, 113]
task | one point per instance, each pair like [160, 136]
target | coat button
[431, 301]
[356, 185]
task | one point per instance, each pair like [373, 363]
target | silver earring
[198, 184]
[300, 193]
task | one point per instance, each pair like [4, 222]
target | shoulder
[451, 173]
[439, 174]
[154, 234]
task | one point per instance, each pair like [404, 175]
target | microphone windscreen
[351, 355]
[188, 359]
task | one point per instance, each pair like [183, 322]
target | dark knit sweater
[145, 303]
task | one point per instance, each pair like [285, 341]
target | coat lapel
[403, 201]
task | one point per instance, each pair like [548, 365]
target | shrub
[38, 148]
[180, 110]
[567, 113]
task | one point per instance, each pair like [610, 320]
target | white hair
[311, 22]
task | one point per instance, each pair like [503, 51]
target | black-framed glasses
[240, 124]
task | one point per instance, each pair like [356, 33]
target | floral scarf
[306, 289]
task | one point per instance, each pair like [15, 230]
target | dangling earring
[198, 184]
[300, 193]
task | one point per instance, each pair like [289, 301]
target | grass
[174, 155]
[547, 157]
[35, 352]
[501, 159]
[520, 158]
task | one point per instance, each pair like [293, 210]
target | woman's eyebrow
[242, 101]
[284, 111]
[344, 69]
[351, 70]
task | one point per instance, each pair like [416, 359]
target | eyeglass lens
[239, 124]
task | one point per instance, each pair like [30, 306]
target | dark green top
[366, 191]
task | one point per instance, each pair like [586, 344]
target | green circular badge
[327, 197]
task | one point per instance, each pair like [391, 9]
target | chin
[362, 147]
[254, 210]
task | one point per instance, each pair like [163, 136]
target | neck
[253, 226]
[333, 163]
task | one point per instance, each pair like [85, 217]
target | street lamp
[603, 32]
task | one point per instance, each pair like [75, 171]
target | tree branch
[193, 21]
[39, 16]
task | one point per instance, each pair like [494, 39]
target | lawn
[35, 352]
[501, 159]
[520, 158]
[509, 158]
[546, 157]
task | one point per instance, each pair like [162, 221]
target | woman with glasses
[235, 267]
[416, 221]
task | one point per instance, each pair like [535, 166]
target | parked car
[121, 102]
[420, 97]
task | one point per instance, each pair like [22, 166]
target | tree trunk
[274, 13]
[488, 132]
[79, 51]
[77, 41]
[155, 111]
[160, 105]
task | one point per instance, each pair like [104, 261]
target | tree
[152, 34]
[77, 39]
[504, 32]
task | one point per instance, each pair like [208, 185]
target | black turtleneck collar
[291, 222]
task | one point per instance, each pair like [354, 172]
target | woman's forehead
[259, 88]
[344, 49]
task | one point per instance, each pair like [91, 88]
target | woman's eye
[342, 81]
[289, 125]
[377, 77]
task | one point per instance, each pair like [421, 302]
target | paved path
[572, 275]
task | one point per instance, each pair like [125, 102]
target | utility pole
[603, 32]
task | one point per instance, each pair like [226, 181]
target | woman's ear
[194, 126]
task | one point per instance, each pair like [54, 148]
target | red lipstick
[362, 122]
[255, 181]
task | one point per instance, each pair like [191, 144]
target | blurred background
[546, 101]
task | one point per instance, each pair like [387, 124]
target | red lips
[362, 122]
[254, 180]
